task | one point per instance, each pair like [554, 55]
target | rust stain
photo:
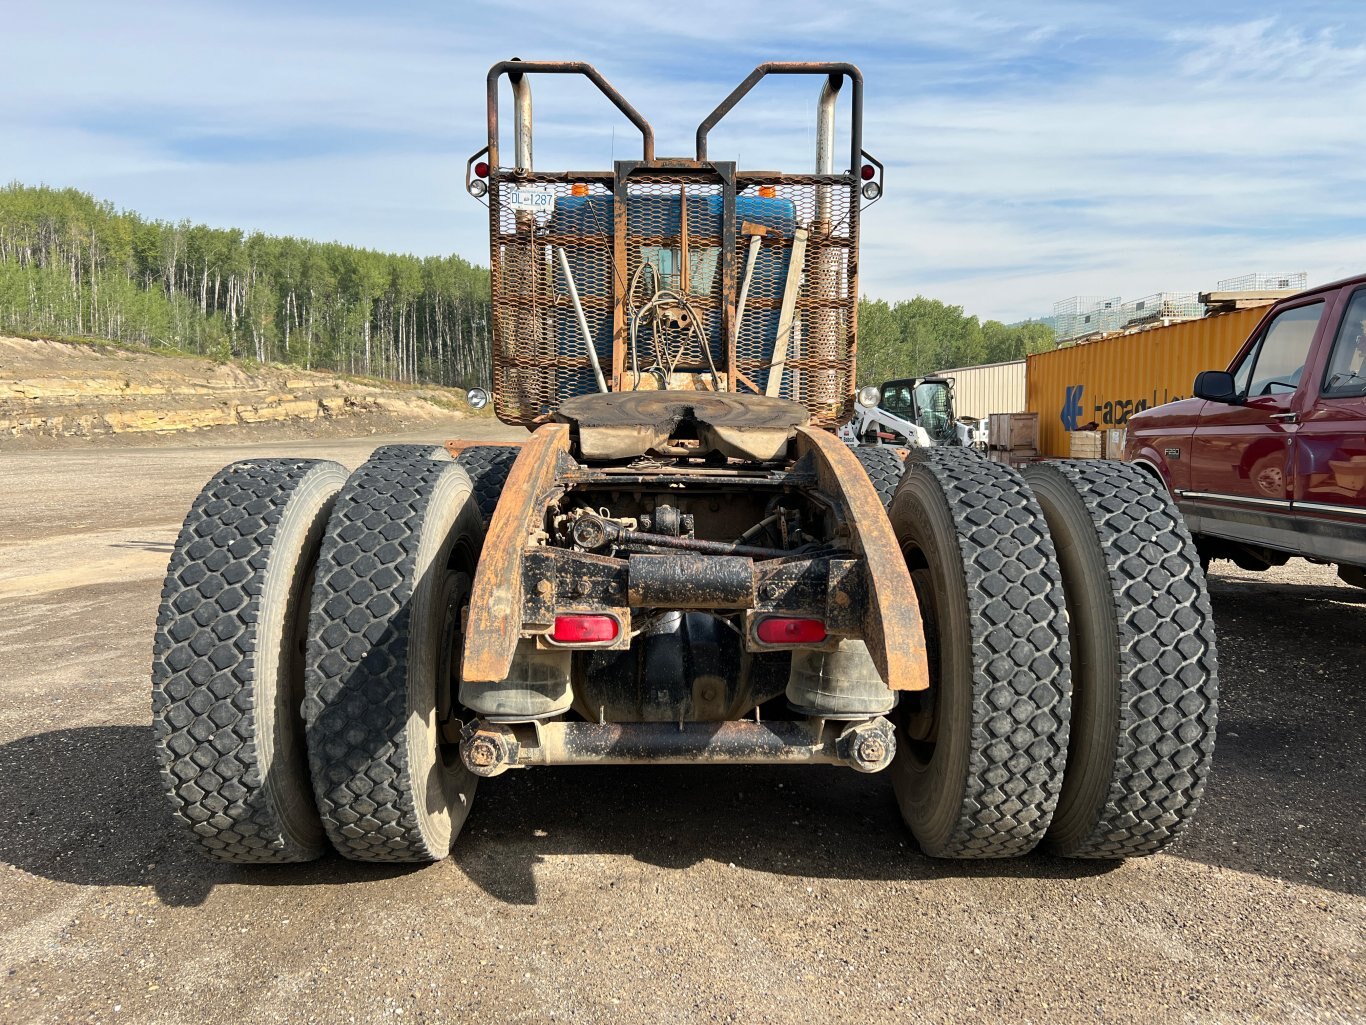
[456, 446]
[495, 621]
[892, 626]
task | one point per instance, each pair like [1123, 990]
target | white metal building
[991, 388]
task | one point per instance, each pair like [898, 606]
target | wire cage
[676, 273]
[1263, 282]
[763, 304]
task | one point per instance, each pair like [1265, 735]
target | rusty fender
[496, 596]
[892, 626]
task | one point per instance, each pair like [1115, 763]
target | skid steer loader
[682, 563]
[909, 412]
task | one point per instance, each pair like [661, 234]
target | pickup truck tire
[1354, 575]
[488, 467]
[227, 663]
[884, 467]
[383, 649]
[980, 756]
[1144, 669]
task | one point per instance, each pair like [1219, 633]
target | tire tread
[355, 714]
[1168, 660]
[1021, 664]
[203, 665]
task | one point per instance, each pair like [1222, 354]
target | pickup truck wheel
[1144, 672]
[884, 467]
[383, 650]
[227, 662]
[1354, 575]
[979, 760]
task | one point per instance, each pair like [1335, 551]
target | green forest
[71, 265]
[920, 336]
[74, 266]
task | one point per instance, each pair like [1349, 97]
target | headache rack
[676, 273]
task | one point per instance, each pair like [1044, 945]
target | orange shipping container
[1107, 381]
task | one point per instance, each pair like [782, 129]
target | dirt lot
[664, 895]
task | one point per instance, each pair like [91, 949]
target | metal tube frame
[517, 70]
[831, 70]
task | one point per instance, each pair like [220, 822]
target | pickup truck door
[1241, 454]
[1330, 445]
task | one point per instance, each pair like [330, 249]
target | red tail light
[481, 170]
[787, 630]
[585, 629]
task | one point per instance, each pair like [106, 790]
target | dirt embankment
[55, 394]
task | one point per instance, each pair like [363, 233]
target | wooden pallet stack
[1106, 444]
[1013, 438]
[1086, 444]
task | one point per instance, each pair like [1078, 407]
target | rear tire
[979, 760]
[383, 650]
[1144, 667]
[390, 453]
[227, 664]
[488, 467]
[884, 467]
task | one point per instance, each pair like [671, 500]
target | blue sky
[1034, 151]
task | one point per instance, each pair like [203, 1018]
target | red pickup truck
[1268, 460]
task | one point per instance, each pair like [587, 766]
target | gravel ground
[661, 895]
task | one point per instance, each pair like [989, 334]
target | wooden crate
[1086, 445]
[1115, 438]
[1013, 457]
[1013, 431]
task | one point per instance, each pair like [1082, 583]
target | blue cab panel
[648, 218]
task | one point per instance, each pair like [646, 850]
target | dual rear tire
[1073, 668]
[307, 644]
[1073, 676]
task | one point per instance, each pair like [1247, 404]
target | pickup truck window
[1346, 374]
[1274, 365]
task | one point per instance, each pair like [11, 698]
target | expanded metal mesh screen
[659, 302]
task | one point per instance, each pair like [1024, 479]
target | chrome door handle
[1289, 418]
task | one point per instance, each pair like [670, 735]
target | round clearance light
[872, 190]
[481, 170]
[869, 396]
[867, 172]
[477, 398]
[478, 188]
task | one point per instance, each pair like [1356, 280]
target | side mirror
[1217, 386]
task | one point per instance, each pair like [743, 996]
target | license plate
[536, 201]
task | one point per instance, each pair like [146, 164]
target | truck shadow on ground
[84, 806]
